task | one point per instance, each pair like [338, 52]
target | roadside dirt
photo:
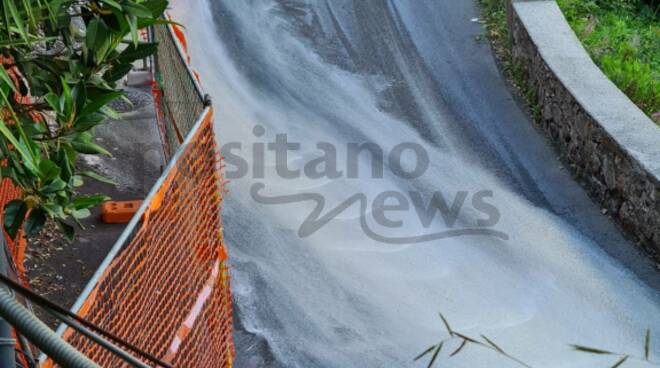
[59, 270]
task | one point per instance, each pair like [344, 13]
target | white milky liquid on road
[340, 298]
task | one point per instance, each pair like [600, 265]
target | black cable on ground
[40, 300]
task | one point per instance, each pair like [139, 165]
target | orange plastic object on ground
[119, 212]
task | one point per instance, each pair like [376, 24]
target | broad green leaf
[80, 95]
[26, 156]
[69, 153]
[85, 202]
[89, 121]
[117, 72]
[121, 24]
[48, 170]
[132, 23]
[5, 14]
[35, 222]
[15, 212]
[81, 213]
[98, 101]
[6, 79]
[90, 148]
[54, 187]
[53, 101]
[90, 36]
[109, 112]
[99, 177]
[66, 101]
[18, 19]
[66, 229]
[36, 129]
[137, 10]
[157, 7]
[133, 52]
[54, 210]
[65, 158]
[77, 181]
[103, 41]
[30, 13]
[113, 4]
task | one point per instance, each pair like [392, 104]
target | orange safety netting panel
[9, 192]
[167, 289]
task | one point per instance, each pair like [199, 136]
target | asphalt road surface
[363, 289]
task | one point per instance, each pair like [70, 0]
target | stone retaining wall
[612, 146]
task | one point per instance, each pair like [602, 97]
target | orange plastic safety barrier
[9, 192]
[166, 289]
[17, 247]
[164, 286]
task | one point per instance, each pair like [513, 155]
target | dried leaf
[586, 349]
[491, 343]
[621, 361]
[435, 354]
[467, 338]
[444, 320]
[459, 348]
[420, 356]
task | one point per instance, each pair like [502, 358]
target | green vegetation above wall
[623, 38]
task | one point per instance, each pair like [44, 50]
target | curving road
[388, 72]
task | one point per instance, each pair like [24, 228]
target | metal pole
[133, 361]
[7, 342]
[41, 336]
[7, 345]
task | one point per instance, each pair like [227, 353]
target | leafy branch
[61, 64]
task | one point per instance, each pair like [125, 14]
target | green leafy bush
[623, 38]
[69, 55]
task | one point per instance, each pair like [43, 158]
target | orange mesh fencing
[9, 191]
[166, 290]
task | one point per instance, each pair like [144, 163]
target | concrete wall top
[564, 54]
